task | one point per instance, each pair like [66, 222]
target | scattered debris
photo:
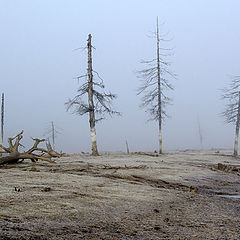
[228, 168]
[17, 189]
[148, 154]
[193, 189]
[46, 189]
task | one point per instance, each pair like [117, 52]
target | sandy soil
[174, 196]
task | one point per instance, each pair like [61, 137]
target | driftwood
[51, 152]
[35, 153]
[148, 154]
[228, 168]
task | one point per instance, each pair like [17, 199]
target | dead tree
[232, 110]
[200, 133]
[52, 133]
[154, 84]
[34, 153]
[2, 119]
[2, 116]
[98, 103]
[127, 147]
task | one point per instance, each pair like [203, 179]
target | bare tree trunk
[2, 120]
[237, 129]
[127, 147]
[2, 116]
[53, 135]
[159, 92]
[90, 99]
[200, 134]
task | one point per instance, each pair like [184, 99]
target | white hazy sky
[38, 64]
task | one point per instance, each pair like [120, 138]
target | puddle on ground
[231, 196]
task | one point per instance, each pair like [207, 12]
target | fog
[38, 67]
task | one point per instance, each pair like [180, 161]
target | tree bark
[2, 116]
[159, 92]
[127, 147]
[14, 155]
[235, 153]
[2, 121]
[53, 135]
[51, 151]
[90, 99]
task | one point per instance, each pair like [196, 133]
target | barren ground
[121, 197]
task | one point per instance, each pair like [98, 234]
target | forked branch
[35, 153]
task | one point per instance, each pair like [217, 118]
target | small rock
[158, 228]
[166, 219]
[193, 189]
[17, 189]
[46, 189]
[34, 169]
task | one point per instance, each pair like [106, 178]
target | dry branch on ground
[35, 153]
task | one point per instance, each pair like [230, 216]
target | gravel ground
[178, 195]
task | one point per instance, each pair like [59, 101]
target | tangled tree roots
[35, 153]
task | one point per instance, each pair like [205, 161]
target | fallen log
[228, 168]
[52, 152]
[147, 154]
[35, 153]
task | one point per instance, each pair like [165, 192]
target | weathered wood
[52, 152]
[159, 91]
[2, 120]
[235, 153]
[154, 84]
[127, 147]
[35, 153]
[232, 110]
[228, 168]
[99, 102]
[92, 119]
[148, 154]
[8, 159]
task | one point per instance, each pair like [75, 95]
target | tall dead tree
[232, 110]
[98, 103]
[92, 119]
[154, 84]
[2, 119]
[2, 116]
[200, 133]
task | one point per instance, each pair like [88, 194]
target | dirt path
[174, 196]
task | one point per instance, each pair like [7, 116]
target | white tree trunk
[94, 141]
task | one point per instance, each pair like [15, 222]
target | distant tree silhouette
[52, 133]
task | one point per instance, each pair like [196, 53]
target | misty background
[38, 67]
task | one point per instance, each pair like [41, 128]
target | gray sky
[38, 65]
